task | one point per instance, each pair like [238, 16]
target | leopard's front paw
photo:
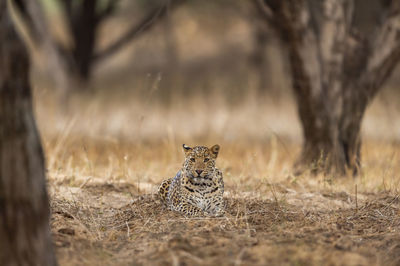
[218, 213]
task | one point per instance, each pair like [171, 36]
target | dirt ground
[253, 232]
[281, 220]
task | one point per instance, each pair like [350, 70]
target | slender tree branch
[144, 25]
[37, 27]
[385, 50]
[264, 10]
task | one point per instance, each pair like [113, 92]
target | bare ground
[111, 224]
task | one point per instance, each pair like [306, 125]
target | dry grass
[105, 162]
[254, 231]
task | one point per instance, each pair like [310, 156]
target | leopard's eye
[206, 160]
[192, 159]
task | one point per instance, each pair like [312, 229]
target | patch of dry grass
[105, 163]
[254, 231]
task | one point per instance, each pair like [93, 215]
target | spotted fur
[198, 188]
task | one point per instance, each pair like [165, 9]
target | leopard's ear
[186, 148]
[214, 151]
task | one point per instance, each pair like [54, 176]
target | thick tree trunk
[336, 72]
[24, 207]
[332, 140]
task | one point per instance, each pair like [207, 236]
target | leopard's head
[200, 161]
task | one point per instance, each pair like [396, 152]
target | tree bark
[336, 72]
[24, 207]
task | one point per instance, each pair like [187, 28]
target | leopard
[198, 187]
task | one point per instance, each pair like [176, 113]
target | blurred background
[182, 71]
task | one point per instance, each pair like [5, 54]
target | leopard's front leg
[219, 204]
[163, 190]
[190, 210]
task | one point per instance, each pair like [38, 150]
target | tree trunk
[24, 207]
[336, 72]
[84, 26]
[332, 140]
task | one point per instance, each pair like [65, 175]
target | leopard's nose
[199, 172]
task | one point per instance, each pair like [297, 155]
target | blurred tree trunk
[24, 207]
[69, 66]
[72, 66]
[84, 19]
[84, 27]
[337, 69]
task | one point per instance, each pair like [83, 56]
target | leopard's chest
[200, 194]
